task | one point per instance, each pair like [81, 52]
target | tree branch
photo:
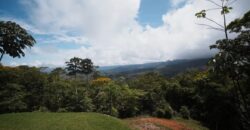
[210, 27]
[217, 29]
[1, 57]
[215, 22]
[212, 9]
[222, 3]
[231, 2]
[226, 2]
[214, 3]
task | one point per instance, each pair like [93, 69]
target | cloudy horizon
[114, 32]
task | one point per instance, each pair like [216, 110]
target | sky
[114, 32]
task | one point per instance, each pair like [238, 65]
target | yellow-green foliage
[201, 75]
[101, 81]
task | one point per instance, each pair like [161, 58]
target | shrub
[164, 112]
[159, 113]
[185, 113]
[43, 109]
[62, 110]
[168, 111]
[114, 112]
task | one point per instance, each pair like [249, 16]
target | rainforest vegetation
[218, 96]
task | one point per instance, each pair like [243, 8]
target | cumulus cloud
[114, 35]
[177, 2]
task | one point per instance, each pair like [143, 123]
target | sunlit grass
[60, 121]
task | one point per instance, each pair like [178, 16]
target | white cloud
[177, 2]
[116, 37]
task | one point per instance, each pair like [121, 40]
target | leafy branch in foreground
[14, 39]
[233, 60]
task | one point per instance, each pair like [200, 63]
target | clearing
[151, 123]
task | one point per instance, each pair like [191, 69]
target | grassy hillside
[60, 121]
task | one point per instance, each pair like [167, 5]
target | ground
[90, 121]
[151, 123]
[60, 121]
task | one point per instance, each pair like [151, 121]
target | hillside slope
[60, 121]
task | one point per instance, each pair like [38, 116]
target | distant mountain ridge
[167, 68]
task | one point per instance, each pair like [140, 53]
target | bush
[43, 109]
[164, 112]
[185, 113]
[114, 112]
[159, 113]
[168, 112]
[62, 110]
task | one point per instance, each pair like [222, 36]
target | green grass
[60, 121]
[193, 124]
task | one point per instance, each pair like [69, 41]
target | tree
[56, 74]
[224, 7]
[87, 67]
[74, 66]
[233, 60]
[14, 39]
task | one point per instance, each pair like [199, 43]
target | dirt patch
[150, 123]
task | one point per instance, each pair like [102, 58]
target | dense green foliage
[208, 97]
[218, 96]
[185, 112]
[60, 121]
[232, 64]
[233, 61]
[14, 39]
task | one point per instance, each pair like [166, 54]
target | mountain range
[167, 68]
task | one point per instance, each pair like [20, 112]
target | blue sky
[112, 33]
[151, 12]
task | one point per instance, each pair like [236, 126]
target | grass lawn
[60, 121]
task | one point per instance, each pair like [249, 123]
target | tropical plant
[225, 7]
[233, 60]
[14, 39]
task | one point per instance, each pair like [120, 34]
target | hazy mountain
[168, 68]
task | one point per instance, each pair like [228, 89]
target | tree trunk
[1, 56]
[111, 102]
[87, 77]
[225, 26]
[225, 22]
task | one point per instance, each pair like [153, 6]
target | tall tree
[87, 67]
[74, 66]
[233, 60]
[14, 39]
[224, 7]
